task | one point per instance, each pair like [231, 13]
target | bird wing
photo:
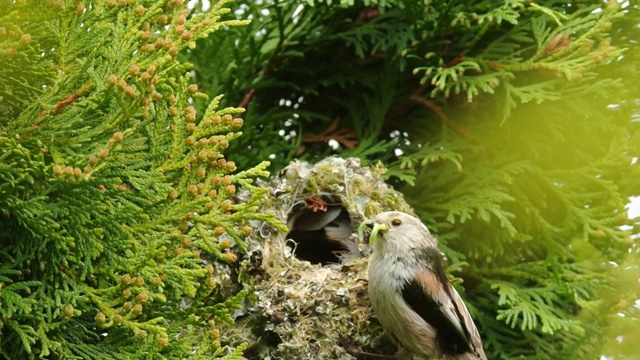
[430, 295]
[468, 321]
[338, 230]
[307, 220]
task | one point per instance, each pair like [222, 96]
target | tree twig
[59, 106]
[246, 99]
[345, 136]
[459, 129]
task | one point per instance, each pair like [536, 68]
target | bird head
[397, 230]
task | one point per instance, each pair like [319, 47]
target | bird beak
[375, 229]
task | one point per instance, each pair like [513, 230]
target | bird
[322, 232]
[411, 295]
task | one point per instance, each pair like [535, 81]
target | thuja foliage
[509, 125]
[118, 210]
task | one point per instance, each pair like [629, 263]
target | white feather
[396, 262]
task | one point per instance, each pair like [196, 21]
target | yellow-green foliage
[118, 207]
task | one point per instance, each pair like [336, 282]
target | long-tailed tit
[411, 295]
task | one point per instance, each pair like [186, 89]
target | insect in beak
[375, 229]
[366, 223]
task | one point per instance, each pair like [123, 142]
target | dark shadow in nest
[320, 231]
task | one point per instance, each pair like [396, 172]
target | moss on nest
[299, 310]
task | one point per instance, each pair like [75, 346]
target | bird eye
[396, 222]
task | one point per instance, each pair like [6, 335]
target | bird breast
[387, 273]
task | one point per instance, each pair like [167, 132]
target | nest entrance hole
[320, 230]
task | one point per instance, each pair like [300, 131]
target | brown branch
[555, 44]
[272, 65]
[246, 99]
[496, 65]
[345, 136]
[456, 60]
[66, 102]
[59, 106]
[401, 107]
[366, 15]
[124, 186]
[459, 129]
[420, 91]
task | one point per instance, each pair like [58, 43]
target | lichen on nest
[300, 310]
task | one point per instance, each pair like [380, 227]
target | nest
[315, 306]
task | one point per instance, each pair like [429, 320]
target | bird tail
[471, 355]
[476, 354]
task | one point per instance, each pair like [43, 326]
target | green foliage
[118, 207]
[511, 127]
[508, 125]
